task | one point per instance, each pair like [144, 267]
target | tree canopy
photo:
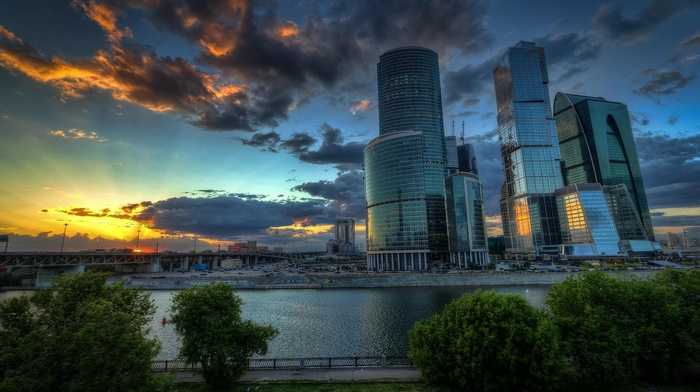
[616, 330]
[487, 342]
[214, 335]
[81, 334]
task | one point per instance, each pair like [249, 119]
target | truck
[201, 267]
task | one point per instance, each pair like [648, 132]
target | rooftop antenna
[462, 137]
[453, 127]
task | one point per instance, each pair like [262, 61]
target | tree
[616, 330]
[82, 334]
[487, 342]
[208, 318]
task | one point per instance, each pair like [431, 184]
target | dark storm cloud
[346, 195]
[640, 118]
[671, 167]
[266, 141]
[331, 151]
[694, 40]
[676, 220]
[657, 83]
[226, 216]
[673, 119]
[568, 54]
[613, 25]
[462, 85]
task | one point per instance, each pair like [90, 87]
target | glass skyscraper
[597, 145]
[529, 149]
[466, 222]
[405, 166]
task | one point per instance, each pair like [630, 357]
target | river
[333, 323]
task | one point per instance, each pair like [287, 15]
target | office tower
[597, 145]
[529, 149]
[345, 230]
[466, 158]
[466, 223]
[405, 166]
[344, 242]
[451, 154]
[587, 228]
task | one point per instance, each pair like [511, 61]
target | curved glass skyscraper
[405, 166]
[597, 146]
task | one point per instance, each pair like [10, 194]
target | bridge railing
[298, 363]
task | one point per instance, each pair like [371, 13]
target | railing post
[274, 363]
[355, 361]
[166, 366]
[383, 360]
[301, 363]
[329, 362]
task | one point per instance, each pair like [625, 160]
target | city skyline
[234, 122]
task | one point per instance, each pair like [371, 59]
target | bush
[487, 342]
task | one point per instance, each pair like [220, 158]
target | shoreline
[322, 281]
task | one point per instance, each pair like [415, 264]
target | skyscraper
[529, 149]
[466, 223]
[597, 145]
[405, 166]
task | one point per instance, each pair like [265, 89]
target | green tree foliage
[214, 335]
[487, 342]
[616, 330]
[80, 335]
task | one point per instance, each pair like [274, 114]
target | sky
[189, 125]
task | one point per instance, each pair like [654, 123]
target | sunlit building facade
[597, 145]
[405, 166]
[587, 227]
[529, 149]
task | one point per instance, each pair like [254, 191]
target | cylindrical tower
[405, 167]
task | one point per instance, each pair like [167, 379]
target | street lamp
[138, 235]
[65, 226]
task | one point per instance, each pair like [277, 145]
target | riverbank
[367, 280]
[254, 280]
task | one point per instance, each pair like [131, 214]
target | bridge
[46, 265]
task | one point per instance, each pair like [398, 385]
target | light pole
[65, 226]
[138, 235]
[195, 244]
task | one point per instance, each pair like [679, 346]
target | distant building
[344, 242]
[529, 149]
[597, 145]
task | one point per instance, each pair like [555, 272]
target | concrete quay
[371, 374]
[319, 280]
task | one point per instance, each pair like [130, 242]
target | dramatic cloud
[658, 83]
[266, 141]
[670, 167]
[694, 40]
[462, 85]
[611, 23]
[672, 120]
[360, 106]
[226, 216]
[331, 151]
[568, 54]
[346, 195]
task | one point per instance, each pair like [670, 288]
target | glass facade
[587, 226]
[466, 222]
[529, 149]
[406, 165]
[597, 145]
